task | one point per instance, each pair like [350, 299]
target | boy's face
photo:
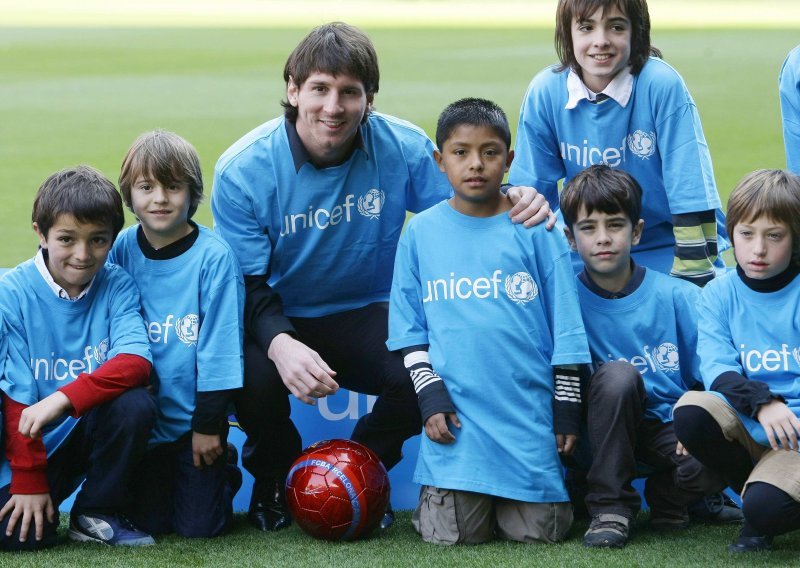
[162, 209]
[763, 247]
[604, 243]
[329, 111]
[475, 160]
[602, 46]
[76, 251]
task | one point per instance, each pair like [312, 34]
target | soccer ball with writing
[337, 490]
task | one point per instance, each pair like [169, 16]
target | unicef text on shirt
[369, 205]
[641, 144]
[519, 287]
[58, 369]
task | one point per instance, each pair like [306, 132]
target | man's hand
[302, 370]
[566, 443]
[436, 427]
[34, 418]
[779, 423]
[530, 207]
[32, 508]
[206, 448]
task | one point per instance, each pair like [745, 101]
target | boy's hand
[436, 427]
[34, 418]
[32, 508]
[779, 423]
[302, 370]
[530, 207]
[566, 443]
[205, 449]
[680, 450]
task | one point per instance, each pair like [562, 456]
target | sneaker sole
[78, 536]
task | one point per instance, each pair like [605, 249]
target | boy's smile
[763, 247]
[475, 160]
[330, 109]
[76, 251]
[162, 209]
[602, 46]
[604, 241]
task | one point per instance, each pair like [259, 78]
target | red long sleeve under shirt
[27, 456]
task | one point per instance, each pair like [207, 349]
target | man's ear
[570, 239]
[292, 91]
[636, 235]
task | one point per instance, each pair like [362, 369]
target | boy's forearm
[111, 379]
[567, 398]
[695, 246]
[432, 394]
[211, 412]
[744, 395]
[26, 456]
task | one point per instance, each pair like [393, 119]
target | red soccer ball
[337, 490]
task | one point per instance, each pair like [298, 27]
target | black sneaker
[268, 511]
[114, 530]
[750, 543]
[716, 509]
[388, 518]
[607, 530]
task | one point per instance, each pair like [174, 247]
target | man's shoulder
[382, 126]
[260, 142]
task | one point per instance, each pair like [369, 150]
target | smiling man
[313, 203]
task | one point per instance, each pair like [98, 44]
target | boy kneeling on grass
[484, 312]
[642, 331]
[74, 406]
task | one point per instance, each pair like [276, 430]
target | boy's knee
[450, 517]
[134, 410]
[616, 381]
[533, 522]
[692, 424]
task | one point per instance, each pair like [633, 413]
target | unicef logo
[520, 287]
[187, 328]
[371, 203]
[642, 144]
[666, 357]
[101, 352]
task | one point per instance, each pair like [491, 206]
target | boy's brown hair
[166, 157]
[82, 192]
[335, 48]
[774, 194]
[635, 10]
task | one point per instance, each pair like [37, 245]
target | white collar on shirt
[41, 265]
[619, 89]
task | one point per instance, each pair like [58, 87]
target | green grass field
[698, 546]
[71, 96]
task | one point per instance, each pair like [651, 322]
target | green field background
[80, 95]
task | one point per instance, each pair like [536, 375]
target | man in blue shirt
[313, 203]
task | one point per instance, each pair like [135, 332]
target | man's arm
[695, 246]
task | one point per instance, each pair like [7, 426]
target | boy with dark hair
[192, 300]
[640, 370]
[77, 351]
[313, 203]
[466, 277]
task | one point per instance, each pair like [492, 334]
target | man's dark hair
[335, 48]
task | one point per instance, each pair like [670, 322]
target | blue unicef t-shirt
[655, 330]
[789, 81]
[656, 137]
[192, 306]
[497, 304]
[51, 341]
[754, 334]
[326, 237]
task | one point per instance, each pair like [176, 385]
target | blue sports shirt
[789, 88]
[497, 304]
[656, 137]
[193, 308]
[53, 340]
[326, 237]
[655, 330]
